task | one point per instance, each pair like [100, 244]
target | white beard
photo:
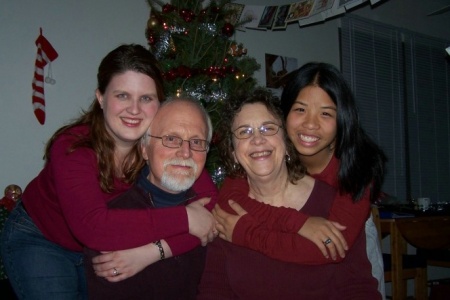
[180, 180]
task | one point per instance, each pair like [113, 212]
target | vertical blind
[428, 88]
[400, 80]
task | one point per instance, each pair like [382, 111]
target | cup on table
[423, 203]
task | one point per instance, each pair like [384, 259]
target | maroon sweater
[235, 272]
[248, 233]
[175, 278]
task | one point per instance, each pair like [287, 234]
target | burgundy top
[174, 278]
[293, 248]
[234, 272]
[67, 204]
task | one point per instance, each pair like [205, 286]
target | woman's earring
[331, 148]
[287, 158]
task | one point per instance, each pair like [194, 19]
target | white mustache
[181, 162]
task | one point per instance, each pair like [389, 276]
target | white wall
[82, 32]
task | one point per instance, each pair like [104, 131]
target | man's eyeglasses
[171, 141]
[245, 132]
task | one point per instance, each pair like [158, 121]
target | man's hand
[225, 221]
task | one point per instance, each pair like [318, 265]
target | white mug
[423, 203]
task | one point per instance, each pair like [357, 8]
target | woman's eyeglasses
[245, 132]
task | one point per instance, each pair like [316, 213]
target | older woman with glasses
[256, 147]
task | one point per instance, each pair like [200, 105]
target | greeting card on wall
[277, 67]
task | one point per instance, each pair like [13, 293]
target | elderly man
[175, 149]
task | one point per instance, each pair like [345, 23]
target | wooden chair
[431, 236]
[412, 266]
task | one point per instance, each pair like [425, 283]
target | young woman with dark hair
[322, 122]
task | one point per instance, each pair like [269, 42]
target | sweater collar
[161, 198]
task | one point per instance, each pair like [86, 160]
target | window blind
[371, 57]
[428, 89]
[402, 87]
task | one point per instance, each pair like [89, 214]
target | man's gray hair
[145, 139]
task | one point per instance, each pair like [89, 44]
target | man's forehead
[178, 113]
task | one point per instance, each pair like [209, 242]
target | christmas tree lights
[193, 43]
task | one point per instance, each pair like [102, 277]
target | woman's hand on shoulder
[326, 235]
[201, 222]
[225, 221]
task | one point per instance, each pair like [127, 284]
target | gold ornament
[172, 45]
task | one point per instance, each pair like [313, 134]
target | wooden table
[430, 232]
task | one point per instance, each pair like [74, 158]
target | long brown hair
[118, 61]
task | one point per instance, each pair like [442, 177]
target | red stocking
[45, 54]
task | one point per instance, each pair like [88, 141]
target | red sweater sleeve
[350, 214]
[203, 187]
[288, 247]
[280, 218]
[67, 204]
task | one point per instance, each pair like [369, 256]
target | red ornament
[12, 195]
[228, 29]
[215, 138]
[170, 75]
[188, 18]
[183, 12]
[151, 40]
[184, 71]
[168, 8]
[202, 15]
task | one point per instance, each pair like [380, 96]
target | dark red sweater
[235, 272]
[292, 248]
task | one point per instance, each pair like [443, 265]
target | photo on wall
[280, 17]
[300, 10]
[268, 17]
[277, 67]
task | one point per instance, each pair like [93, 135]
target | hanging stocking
[45, 54]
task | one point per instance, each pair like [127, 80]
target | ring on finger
[115, 272]
[327, 241]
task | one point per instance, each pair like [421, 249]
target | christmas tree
[199, 58]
